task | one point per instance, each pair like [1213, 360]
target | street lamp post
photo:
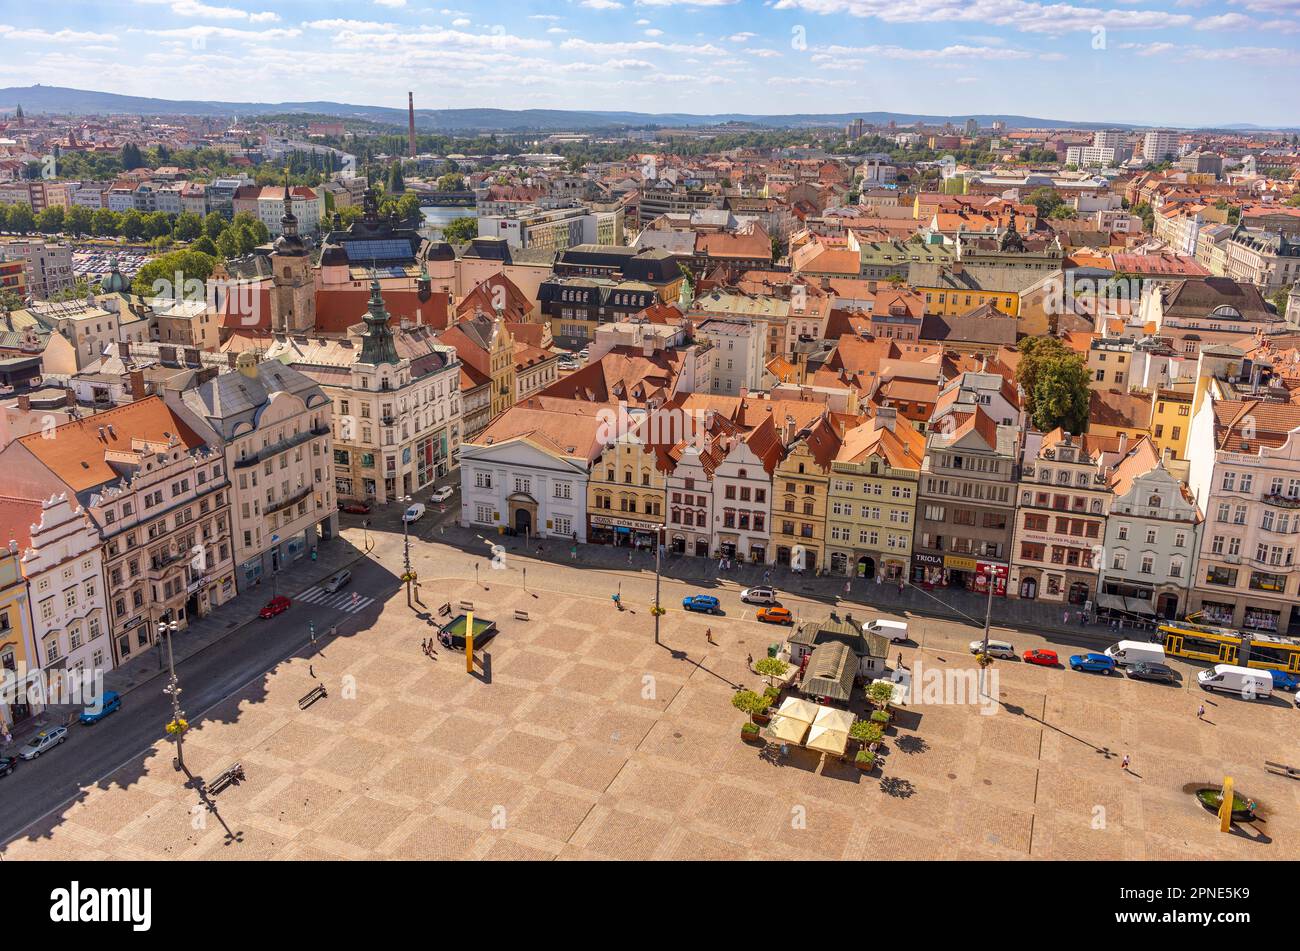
[988, 621]
[173, 689]
[406, 550]
[659, 547]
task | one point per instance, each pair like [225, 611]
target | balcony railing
[1282, 501]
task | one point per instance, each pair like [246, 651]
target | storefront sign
[625, 523]
[925, 558]
[959, 563]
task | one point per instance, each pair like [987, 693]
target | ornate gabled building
[396, 398]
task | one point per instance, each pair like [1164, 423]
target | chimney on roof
[1123, 443]
[124, 350]
[887, 417]
[24, 402]
[137, 385]
[790, 430]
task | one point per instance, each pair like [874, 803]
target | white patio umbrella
[798, 709]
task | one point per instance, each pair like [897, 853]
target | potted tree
[749, 732]
[868, 734]
[754, 704]
[770, 667]
[865, 761]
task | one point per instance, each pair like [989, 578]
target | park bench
[521, 615]
[316, 693]
[230, 776]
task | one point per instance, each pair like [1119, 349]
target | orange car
[776, 615]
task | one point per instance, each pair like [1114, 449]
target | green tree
[213, 225]
[132, 225]
[131, 157]
[451, 182]
[204, 245]
[105, 222]
[461, 230]
[159, 275]
[1034, 352]
[1061, 395]
[158, 224]
[50, 220]
[1046, 200]
[188, 226]
[79, 221]
[228, 244]
[21, 219]
[1143, 210]
[396, 184]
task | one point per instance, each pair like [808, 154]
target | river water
[437, 217]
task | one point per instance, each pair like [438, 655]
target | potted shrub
[868, 734]
[749, 732]
[865, 761]
[754, 704]
[880, 718]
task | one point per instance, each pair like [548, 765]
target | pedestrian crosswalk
[349, 602]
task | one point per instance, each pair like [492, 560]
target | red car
[1042, 658]
[357, 508]
[275, 606]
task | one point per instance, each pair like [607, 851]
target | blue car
[1094, 663]
[109, 703]
[1284, 681]
[704, 603]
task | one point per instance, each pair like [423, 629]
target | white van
[414, 513]
[1127, 653]
[893, 631]
[1242, 681]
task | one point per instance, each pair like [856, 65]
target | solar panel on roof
[361, 252]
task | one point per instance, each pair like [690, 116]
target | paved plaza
[578, 737]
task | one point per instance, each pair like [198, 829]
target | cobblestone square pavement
[582, 739]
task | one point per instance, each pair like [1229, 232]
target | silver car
[45, 740]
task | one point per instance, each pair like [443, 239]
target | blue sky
[1185, 62]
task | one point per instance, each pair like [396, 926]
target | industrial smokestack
[410, 120]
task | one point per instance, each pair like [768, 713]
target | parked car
[274, 607]
[357, 508]
[110, 702]
[1284, 681]
[1041, 657]
[1158, 673]
[705, 603]
[996, 648]
[1093, 663]
[7, 764]
[340, 580]
[775, 615]
[43, 741]
[443, 494]
[893, 631]
[414, 513]
[758, 596]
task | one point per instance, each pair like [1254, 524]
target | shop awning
[1111, 602]
[1138, 606]
[827, 740]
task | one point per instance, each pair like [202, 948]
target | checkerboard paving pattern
[586, 740]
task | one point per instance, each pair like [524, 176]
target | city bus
[1219, 645]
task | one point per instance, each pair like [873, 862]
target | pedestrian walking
[767, 576]
[1124, 763]
[900, 588]
[848, 587]
[9, 738]
[629, 557]
[708, 636]
[1065, 618]
[749, 660]
[1200, 713]
[899, 665]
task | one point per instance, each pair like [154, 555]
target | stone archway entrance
[523, 514]
[867, 567]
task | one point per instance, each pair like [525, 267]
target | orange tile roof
[76, 453]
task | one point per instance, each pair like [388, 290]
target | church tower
[293, 286]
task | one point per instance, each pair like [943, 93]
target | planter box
[762, 719]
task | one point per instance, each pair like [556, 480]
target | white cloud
[1023, 15]
[57, 36]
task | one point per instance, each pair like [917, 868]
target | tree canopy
[1055, 382]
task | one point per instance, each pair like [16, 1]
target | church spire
[377, 341]
[289, 221]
